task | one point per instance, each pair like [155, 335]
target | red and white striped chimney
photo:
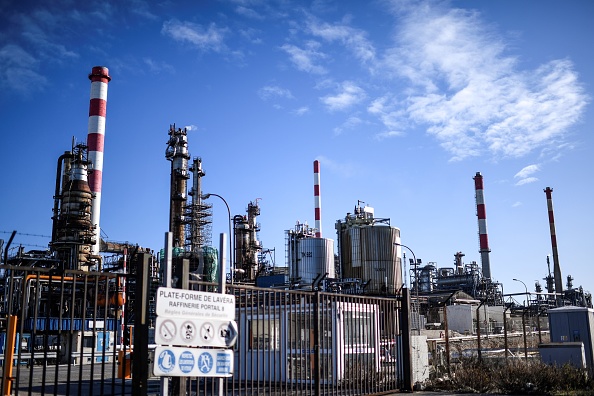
[481, 213]
[556, 267]
[96, 134]
[317, 199]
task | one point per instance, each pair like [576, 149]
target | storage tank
[368, 251]
[308, 256]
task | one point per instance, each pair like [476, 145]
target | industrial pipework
[73, 233]
[481, 214]
[95, 141]
[177, 153]
[199, 213]
[556, 267]
[247, 245]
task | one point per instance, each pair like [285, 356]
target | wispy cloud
[142, 9]
[274, 91]
[305, 59]
[527, 180]
[391, 115]
[470, 94]
[19, 70]
[191, 127]
[348, 95]
[350, 123]
[516, 204]
[211, 38]
[156, 66]
[524, 175]
[527, 171]
[301, 111]
[248, 13]
[353, 39]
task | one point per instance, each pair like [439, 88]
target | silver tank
[311, 257]
[369, 253]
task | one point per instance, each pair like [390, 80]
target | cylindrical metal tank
[313, 257]
[370, 253]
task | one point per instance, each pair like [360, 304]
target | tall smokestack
[556, 267]
[317, 199]
[96, 135]
[481, 213]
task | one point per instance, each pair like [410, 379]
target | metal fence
[67, 333]
[296, 342]
[61, 332]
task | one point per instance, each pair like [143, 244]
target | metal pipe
[231, 268]
[67, 154]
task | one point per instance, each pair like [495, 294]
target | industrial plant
[364, 256]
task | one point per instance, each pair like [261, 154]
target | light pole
[206, 196]
[417, 305]
[525, 287]
[524, 320]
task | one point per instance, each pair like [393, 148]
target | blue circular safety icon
[186, 362]
[205, 362]
[166, 361]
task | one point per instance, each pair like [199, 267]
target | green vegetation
[517, 377]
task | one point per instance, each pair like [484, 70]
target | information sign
[195, 332]
[194, 304]
[192, 362]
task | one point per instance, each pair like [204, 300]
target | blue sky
[401, 101]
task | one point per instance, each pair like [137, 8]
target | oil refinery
[363, 257]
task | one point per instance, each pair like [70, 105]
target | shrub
[518, 377]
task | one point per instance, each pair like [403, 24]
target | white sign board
[195, 332]
[194, 304]
[192, 362]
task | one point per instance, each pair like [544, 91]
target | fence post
[316, 339]
[406, 342]
[141, 325]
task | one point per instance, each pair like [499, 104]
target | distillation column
[177, 153]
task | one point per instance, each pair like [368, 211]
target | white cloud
[527, 180]
[18, 70]
[524, 175]
[527, 171]
[471, 95]
[156, 66]
[350, 123]
[248, 13]
[301, 111]
[353, 39]
[141, 8]
[305, 58]
[191, 127]
[516, 204]
[391, 115]
[206, 39]
[348, 95]
[273, 91]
